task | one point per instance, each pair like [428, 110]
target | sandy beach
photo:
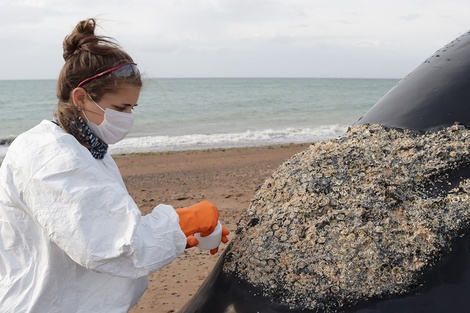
[226, 177]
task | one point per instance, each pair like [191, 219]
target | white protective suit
[71, 237]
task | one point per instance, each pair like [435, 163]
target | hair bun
[83, 38]
[82, 35]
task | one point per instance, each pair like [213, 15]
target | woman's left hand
[224, 239]
[191, 241]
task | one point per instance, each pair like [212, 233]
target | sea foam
[147, 144]
[230, 140]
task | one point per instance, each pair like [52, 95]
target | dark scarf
[77, 127]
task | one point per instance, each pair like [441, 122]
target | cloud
[193, 38]
[409, 17]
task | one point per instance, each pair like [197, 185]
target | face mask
[115, 126]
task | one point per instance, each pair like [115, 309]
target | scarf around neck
[78, 128]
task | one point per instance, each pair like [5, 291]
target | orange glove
[199, 218]
[225, 232]
[191, 241]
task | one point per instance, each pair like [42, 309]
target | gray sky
[238, 38]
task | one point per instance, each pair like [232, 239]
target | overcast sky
[238, 38]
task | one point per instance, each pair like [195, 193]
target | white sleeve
[91, 217]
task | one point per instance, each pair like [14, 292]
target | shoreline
[227, 177]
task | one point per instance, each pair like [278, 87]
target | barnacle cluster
[358, 217]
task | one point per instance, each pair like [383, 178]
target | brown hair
[85, 55]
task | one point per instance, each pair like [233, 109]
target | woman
[72, 239]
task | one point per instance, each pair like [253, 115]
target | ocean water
[205, 113]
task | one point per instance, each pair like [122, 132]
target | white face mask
[115, 126]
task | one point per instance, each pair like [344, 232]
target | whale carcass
[374, 221]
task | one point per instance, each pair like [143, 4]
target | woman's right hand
[199, 218]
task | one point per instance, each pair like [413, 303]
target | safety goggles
[122, 70]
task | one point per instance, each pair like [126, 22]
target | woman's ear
[79, 96]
